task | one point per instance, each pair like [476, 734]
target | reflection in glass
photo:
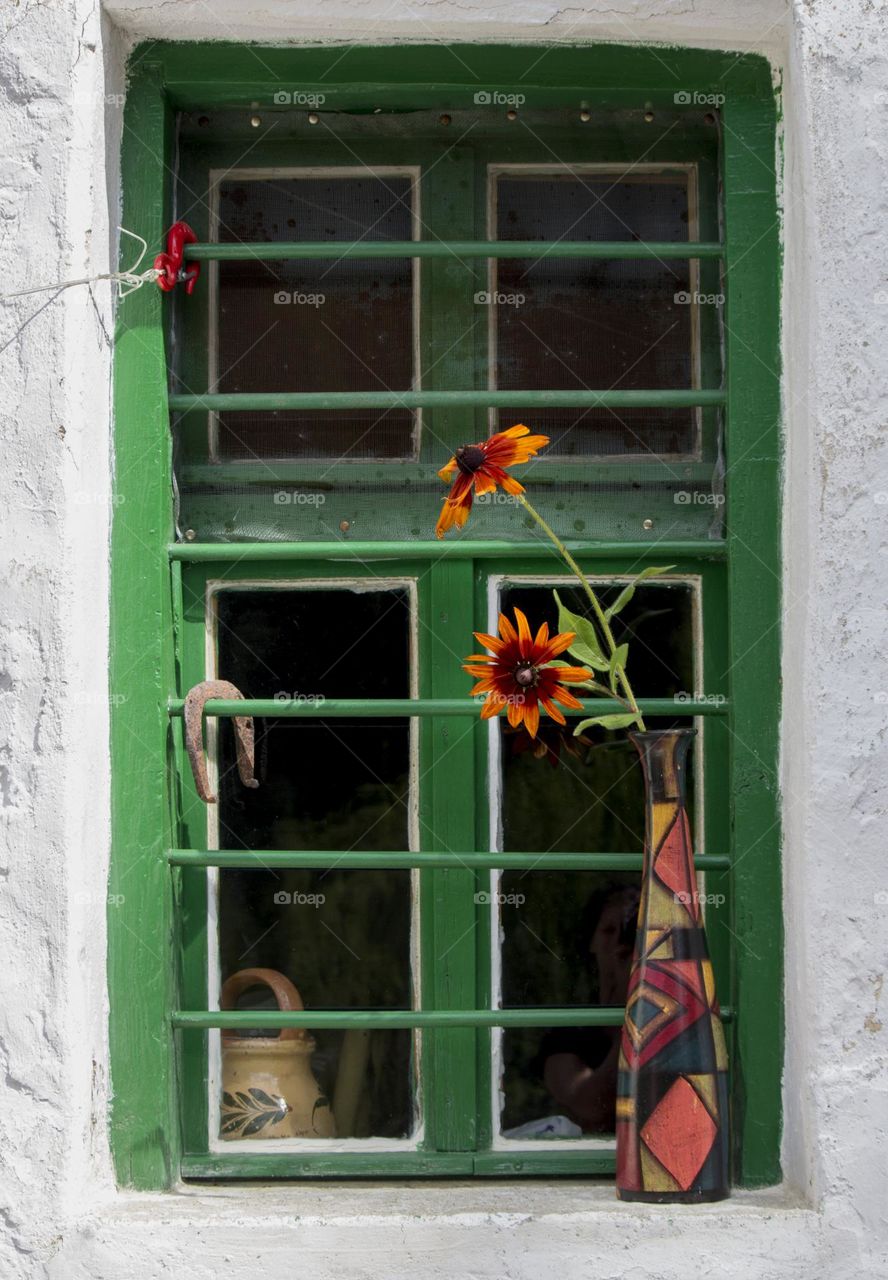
[569, 942]
[592, 800]
[567, 936]
[343, 938]
[585, 322]
[316, 325]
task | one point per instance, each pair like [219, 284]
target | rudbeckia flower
[518, 680]
[481, 469]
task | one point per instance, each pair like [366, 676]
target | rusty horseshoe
[243, 735]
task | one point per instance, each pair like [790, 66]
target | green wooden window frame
[157, 946]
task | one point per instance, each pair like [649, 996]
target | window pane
[567, 940]
[343, 938]
[574, 323]
[325, 325]
[593, 800]
[566, 937]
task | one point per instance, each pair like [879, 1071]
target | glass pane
[574, 323]
[593, 800]
[325, 325]
[567, 940]
[566, 937]
[343, 938]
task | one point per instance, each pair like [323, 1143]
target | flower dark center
[469, 458]
[527, 675]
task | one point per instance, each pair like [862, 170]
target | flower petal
[572, 675]
[532, 718]
[525, 639]
[489, 642]
[552, 710]
[566, 699]
[506, 630]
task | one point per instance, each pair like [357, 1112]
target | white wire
[131, 277]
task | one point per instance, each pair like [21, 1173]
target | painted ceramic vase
[268, 1088]
[672, 1084]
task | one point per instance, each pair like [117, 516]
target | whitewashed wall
[61, 74]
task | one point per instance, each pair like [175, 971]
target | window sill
[448, 1230]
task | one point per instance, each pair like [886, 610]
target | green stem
[593, 600]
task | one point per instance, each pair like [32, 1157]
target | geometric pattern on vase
[672, 1093]
[681, 1111]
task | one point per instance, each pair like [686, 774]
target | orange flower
[480, 468]
[517, 678]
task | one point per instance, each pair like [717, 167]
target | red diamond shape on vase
[680, 1132]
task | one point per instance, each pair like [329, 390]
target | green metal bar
[398, 1019]
[460, 548]
[358, 860]
[269, 401]
[383, 708]
[601, 249]
[324, 475]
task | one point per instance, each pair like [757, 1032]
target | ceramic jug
[268, 1088]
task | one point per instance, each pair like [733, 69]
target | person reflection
[579, 1064]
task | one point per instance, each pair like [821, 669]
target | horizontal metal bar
[274, 401]
[387, 708]
[359, 860]
[457, 548]
[619, 473]
[399, 1019]
[595, 249]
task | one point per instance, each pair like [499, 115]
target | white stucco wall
[61, 69]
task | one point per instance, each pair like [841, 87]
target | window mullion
[448, 895]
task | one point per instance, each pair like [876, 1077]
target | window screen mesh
[455, 323]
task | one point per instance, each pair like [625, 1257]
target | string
[129, 280]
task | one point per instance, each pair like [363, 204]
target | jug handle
[286, 994]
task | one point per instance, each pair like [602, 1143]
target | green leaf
[629, 591]
[586, 648]
[618, 659]
[619, 721]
